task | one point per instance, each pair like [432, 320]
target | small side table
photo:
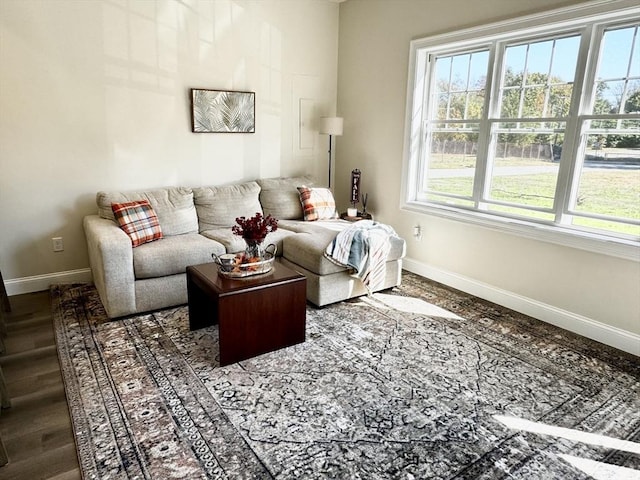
[361, 216]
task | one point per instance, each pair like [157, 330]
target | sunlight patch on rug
[570, 434]
[600, 470]
[412, 305]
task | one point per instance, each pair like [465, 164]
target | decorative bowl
[238, 265]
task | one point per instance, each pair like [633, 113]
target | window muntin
[529, 97]
[538, 78]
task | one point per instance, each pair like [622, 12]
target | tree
[540, 96]
[604, 106]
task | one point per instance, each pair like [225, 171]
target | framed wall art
[223, 111]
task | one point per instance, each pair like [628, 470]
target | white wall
[593, 294]
[94, 95]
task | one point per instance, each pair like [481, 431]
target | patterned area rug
[420, 382]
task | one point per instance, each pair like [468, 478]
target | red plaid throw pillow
[317, 203]
[138, 220]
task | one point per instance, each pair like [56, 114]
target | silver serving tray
[232, 266]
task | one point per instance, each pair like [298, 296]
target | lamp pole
[331, 126]
[330, 137]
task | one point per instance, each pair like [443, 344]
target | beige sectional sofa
[195, 223]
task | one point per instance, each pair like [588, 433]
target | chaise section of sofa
[304, 252]
[328, 282]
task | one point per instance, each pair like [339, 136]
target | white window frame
[560, 21]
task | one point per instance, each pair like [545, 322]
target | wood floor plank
[31, 368]
[20, 387]
[37, 429]
[43, 466]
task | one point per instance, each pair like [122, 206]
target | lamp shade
[331, 125]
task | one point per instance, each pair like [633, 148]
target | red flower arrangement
[255, 229]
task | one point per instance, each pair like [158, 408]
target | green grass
[611, 192]
[440, 161]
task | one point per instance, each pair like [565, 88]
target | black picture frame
[222, 111]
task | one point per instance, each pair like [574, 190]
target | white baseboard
[601, 332]
[38, 283]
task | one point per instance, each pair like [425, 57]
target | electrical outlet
[58, 246]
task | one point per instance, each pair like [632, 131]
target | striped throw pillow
[317, 203]
[138, 220]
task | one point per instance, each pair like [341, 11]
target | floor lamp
[331, 126]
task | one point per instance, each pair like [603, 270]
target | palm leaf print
[222, 111]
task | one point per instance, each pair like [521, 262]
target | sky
[614, 59]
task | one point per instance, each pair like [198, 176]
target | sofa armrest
[111, 261]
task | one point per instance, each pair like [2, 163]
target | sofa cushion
[173, 206]
[279, 197]
[220, 206]
[138, 220]
[317, 203]
[173, 254]
[307, 250]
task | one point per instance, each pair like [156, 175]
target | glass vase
[254, 249]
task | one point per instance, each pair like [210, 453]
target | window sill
[601, 244]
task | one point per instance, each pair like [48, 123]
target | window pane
[478, 70]
[524, 168]
[565, 58]
[510, 103]
[515, 60]
[533, 102]
[443, 72]
[452, 161]
[559, 101]
[635, 61]
[609, 181]
[538, 62]
[616, 50]
[460, 72]
[457, 106]
[475, 105]
[632, 103]
[608, 97]
[441, 108]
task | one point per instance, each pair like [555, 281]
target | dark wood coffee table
[256, 314]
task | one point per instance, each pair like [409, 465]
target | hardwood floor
[36, 430]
